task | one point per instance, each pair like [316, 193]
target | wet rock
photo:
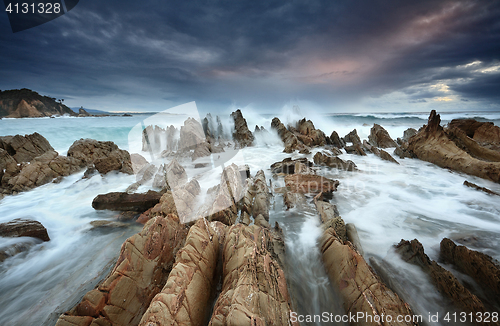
[470, 146]
[353, 237]
[403, 151]
[310, 183]
[309, 135]
[289, 166]
[336, 151]
[475, 186]
[241, 134]
[432, 144]
[170, 176]
[200, 165]
[485, 133]
[482, 268]
[355, 149]
[12, 248]
[181, 201]
[145, 217]
[387, 157]
[140, 273]
[291, 142]
[191, 135]
[336, 140]
[323, 158]
[352, 137]
[408, 133]
[261, 202]
[202, 150]
[25, 148]
[8, 168]
[138, 162]
[144, 175]
[360, 289]
[21, 227]
[379, 137]
[105, 156]
[106, 224]
[122, 201]
[184, 300]
[330, 218]
[413, 252]
[254, 289]
[90, 172]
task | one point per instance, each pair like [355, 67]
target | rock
[335, 151]
[482, 268]
[140, 273]
[432, 144]
[105, 156]
[408, 133]
[181, 201]
[170, 176]
[254, 289]
[360, 289]
[475, 186]
[82, 112]
[138, 162]
[200, 165]
[333, 162]
[145, 217]
[336, 140]
[352, 137]
[8, 168]
[25, 148]
[185, 298]
[402, 151]
[290, 140]
[152, 137]
[106, 224]
[289, 166]
[122, 201]
[309, 183]
[413, 252]
[241, 134]
[90, 172]
[201, 150]
[25, 103]
[353, 237]
[191, 135]
[387, 157]
[485, 133]
[470, 146]
[309, 135]
[147, 173]
[330, 218]
[21, 227]
[355, 149]
[261, 202]
[12, 248]
[379, 137]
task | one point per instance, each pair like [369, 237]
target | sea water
[386, 202]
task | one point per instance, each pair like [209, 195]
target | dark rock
[24, 228]
[90, 172]
[310, 183]
[106, 224]
[387, 157]
[352, 137]
[355, 149]
[241, 134]
[475, 186]
[122, 201]
[336, 140]
[289, 166]
[25, 148]
[25, 103]
[333, 162]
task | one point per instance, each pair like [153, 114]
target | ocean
[386, 202]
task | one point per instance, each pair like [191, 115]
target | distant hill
[92, 111]
[25, 103]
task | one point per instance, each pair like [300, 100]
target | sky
[327, 56]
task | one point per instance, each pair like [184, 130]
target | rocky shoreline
[215, 259]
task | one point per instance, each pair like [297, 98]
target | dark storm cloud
[266, 52]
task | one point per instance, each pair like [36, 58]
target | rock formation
[352, 137]
[485, 133]
[309, 135]
[310, 183]
[261, 202]
[25, 148]
[289, 166]
[241, 134]
[21, 227]
[482, 268]
[140, 273]
[433, 145]
[323, 158]
[379, 137]
[483, 189]
[170, 176]
[25, 103]
[289, 139]
[336, 140]
[122, 201]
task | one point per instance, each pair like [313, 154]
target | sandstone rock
[353, 237]
[170, 176]
[475, 186]
[482, 268]
[138, 162]
[379, 137]
[140, 273]
[360, 289]
[323, 158]
[355, 149]
[184, 300]
[191, 134]
[352, 137]
[413, 252]
[25, 148]
[241, 134]
[470, 146]
[106, 156]
[408, 133]
[288, 166]
[485, 133]
[181, 201]
[309, 135]
[309, 183]
[8, 168]
[433, 145]
[290, 140]
[106, 224]
[330, 218]
[261, 202]
[336, 140]
[21, 227]
[387, 157]
[122, 201]
[254, 289]
[403, 151]
[144, 175]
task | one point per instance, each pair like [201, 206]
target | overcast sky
[330, 56]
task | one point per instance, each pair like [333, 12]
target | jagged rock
[184, 300]
[379, 137]
[387, 157]
[261, 200]
[289, 166]
[241, 134]
[147, 173]
[360, 289]
[25, 148]
[254, 289]
[482, 268]
[90, 172]
[8, 168]
[170, 176]
[352, 137]
[138, 162]
[21, 227]
[202, 150]
[309, 135]
[355, 149]
[181, 201]
[470, 146]
[310, 183]
[485, 133]
[191, 135]
[122, 201]
[42, 170]
[330, 218]
[290, 140]
[140, 273]
[336, 140]
[333, 162]
[413, 252]
[408, 133]
[475, 186]
[105, 156]
[83, 113]
[402, 151]
[433, 145]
